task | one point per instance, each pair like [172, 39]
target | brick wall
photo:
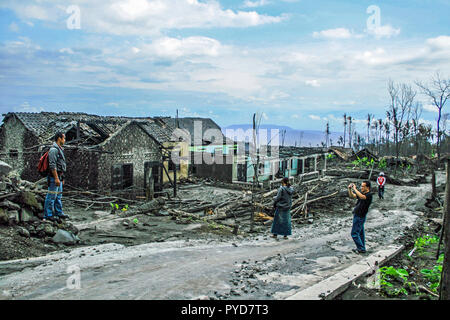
[130, 145]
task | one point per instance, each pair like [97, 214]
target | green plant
[330, 156]
[395, 273]
[382, 164]
[363, 162]
[114, 207]
[135, 221]
[389, 274]
[434, 275]
[425, 241]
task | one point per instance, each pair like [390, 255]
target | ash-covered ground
[183, 257]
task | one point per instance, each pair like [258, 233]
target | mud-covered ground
[102, 226]
[161, 258]
[419, 261]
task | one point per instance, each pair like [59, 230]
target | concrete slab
[338, 283]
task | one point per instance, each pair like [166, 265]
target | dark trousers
[358, 232]
[381, 192]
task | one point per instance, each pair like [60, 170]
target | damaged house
[207, 144]
[102, 152]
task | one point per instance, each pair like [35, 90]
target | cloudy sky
[297, 62]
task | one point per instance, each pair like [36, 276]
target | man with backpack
[55, 179]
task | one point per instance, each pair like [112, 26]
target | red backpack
[43, 164]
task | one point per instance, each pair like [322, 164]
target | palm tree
[350, 131]
[368, 127]
[380, 125]
[345, 125]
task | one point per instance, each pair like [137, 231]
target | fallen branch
[324, 197]
[8, 195]
[428, 291]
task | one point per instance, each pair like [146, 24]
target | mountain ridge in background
[301, 138]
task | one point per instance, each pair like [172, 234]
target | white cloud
[14, 27]
[344, 103]
[314, 117]
[26, 107]
[174, 48]
[255, 4]
[66, 50]
[338, 33]
[430, 108]
[386, 31]
[312, 83]
[141, 17]
[441, 42]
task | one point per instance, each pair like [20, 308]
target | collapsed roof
[86, 129]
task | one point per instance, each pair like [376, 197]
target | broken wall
[82, 168]
[129, 146]
[16, 149]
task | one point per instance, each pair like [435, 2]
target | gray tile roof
[94, 129]
[188, 125]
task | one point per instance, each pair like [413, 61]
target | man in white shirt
[381, 181]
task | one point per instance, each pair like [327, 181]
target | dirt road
[255, 268]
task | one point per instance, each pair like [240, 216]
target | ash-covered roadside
[232, 257]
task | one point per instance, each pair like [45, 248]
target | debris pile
[22, 206]
[240, 205]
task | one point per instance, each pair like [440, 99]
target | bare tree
[416, 112]
[375, 126]
[345, 125]
[380, 133]
[349, 131]
[327, 134]
[387, 129]
[438, 91]
[369, 117]
[402, 97]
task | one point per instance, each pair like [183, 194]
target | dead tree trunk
[433, 184]
[444, 292]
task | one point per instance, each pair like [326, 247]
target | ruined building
[103, 152]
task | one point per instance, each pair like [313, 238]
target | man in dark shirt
[359, 213]
[57, 167]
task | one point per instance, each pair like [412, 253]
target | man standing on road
[359, 214]
[55, 180]
[381, 181]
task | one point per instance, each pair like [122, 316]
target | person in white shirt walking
[381, 181]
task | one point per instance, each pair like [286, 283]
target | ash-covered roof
[93, 129]
[190, 124]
